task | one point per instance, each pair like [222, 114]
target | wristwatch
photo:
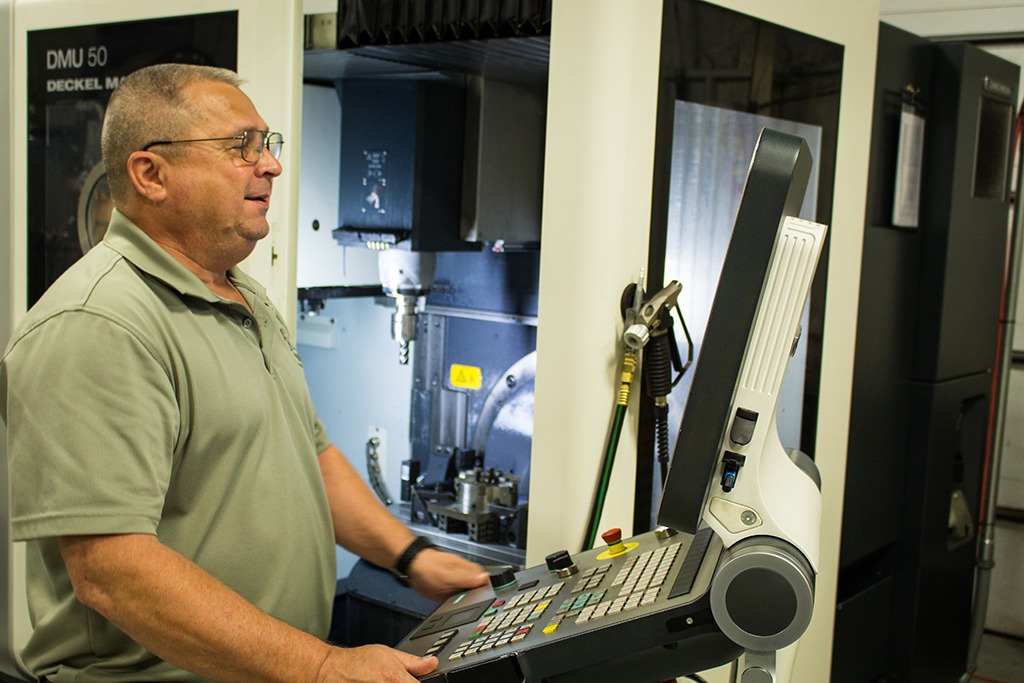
[401, 568]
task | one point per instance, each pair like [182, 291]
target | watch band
[401, 568]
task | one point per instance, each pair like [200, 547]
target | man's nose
[267, 164]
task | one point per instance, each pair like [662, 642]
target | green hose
[605, 477]
[629, 364]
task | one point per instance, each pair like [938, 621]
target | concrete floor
[1001, 660]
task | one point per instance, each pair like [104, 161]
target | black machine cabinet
[926, 341]
[935, 568]
[401, 162]
[964, 211]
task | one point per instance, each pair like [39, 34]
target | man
[179, 496]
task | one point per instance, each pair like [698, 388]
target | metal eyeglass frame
[268, 142]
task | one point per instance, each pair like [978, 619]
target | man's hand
[373, 664]
[437, 575]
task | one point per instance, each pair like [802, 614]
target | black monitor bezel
[774, 189]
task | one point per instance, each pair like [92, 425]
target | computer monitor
[722, 411]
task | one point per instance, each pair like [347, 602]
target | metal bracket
[757, 667]
[373, 471]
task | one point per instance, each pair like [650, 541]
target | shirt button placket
[250, 329]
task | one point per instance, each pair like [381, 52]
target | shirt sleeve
[92, 422]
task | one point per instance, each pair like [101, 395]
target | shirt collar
[131, 242]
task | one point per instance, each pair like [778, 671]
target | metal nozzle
[636, 336]
[638, 333]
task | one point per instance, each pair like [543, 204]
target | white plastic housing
[772, 495]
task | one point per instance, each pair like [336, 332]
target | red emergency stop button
[613, 537]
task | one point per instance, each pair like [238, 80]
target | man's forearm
[367, 528]
[361, 524]
[184, 615]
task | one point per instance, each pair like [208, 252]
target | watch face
[94, 208]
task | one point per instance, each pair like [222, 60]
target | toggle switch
[731, 464]
[742, 430]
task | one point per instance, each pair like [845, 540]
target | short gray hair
[148, 104]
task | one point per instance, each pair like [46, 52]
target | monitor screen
[774, 190]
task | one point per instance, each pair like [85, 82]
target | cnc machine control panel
[614, 613]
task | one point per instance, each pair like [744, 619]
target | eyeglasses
[252, 145]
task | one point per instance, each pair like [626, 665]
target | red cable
[1000, 335]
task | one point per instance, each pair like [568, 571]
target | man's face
[219, 201]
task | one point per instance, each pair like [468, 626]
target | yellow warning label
[466, 377]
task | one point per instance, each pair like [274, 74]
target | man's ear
[147, 172]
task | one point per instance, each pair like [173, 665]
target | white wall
[595, 228]
[594, 237]
[7, 613]
[959, 18]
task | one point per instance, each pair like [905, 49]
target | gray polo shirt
[137, 401]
